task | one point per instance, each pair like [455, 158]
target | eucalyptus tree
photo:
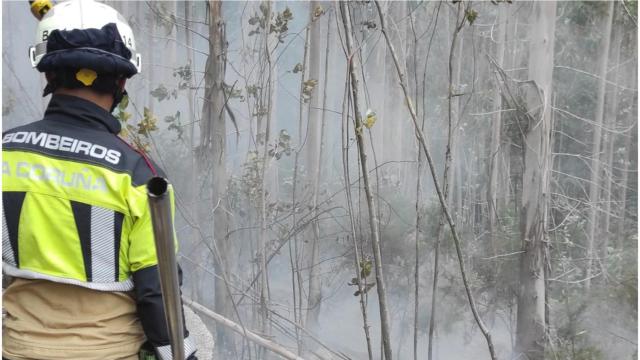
[535, 125]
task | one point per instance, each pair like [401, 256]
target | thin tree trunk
[416, 274]
[626, 161]
[494, 158]
[212, 157]
[352, 222]
[530, 332]
[443, 203]
[447, 181]
[315, 296]
[191, 117]
[611, 119]
[594, 185]
[294, 253]
[262, 239]
[373, 218]
[453, 112]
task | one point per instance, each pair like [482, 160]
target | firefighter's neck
[103, 100]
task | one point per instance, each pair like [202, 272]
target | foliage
[278, 26]
[252, 90]
[632, 6]
[174, 123]
[251, 179]
[148, 123]
[184, 75]
[298, 68]
[317, 12]
[370, 119]
[471, 15]
[230, 92]
[281, 146]
[307, 89]
[138, 134]
[247, 187]
[162, 93]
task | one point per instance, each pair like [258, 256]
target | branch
[596, 77]
[267, 344]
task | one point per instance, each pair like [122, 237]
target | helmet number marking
[45, 35]
[127, 41]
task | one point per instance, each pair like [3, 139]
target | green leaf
[471, 16]
[124, 102]
[160, 93]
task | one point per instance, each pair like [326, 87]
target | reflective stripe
[164, 352]
[102, 245]
[12, 202]
[11, 270]
[7, 249]
[41, 48]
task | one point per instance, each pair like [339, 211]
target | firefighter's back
[72, 191]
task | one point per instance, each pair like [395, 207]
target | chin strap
[118, 95]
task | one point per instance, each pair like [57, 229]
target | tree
[596, 178]
[212, 159]
[610, 139]
[373, 214]
[316, 124]
[494, 156]
[536, 132]
[453, 116]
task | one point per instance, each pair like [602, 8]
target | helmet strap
[119, 93]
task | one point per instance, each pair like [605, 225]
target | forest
[388, 179]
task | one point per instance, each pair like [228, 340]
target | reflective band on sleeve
[7, 249]
[12, 202]
[102, 245]
[164, 352]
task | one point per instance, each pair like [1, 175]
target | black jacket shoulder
[77, 130]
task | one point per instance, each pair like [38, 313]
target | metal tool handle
[161, 218]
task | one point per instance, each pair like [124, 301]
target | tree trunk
[453, 108]
[316, 148]
[627, 167]
[530, 332]
[212, 158]
[373, 217]
[494, 158]
[594, 185]
[610, 140]
[262, 238]
[193, 181]
[294, 244]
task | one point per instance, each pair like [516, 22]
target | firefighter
[77, 238]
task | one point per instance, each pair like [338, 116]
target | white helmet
[81, 15]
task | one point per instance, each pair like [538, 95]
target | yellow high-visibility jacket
[75, 209]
